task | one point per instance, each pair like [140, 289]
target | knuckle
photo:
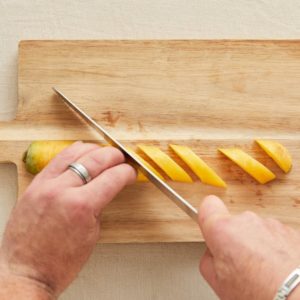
[43, 196]
[114, 153]
[80, 209]
[49, 193]
[96, 157]
[106, 156]
[42, 193]
[114, 150]
[68, 154]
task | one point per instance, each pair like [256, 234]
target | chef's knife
[164, 187]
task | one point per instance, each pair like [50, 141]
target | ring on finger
[81, 171]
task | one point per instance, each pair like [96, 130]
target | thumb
[212, 215]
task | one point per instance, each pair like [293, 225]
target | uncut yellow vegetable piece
[140, 175]
[253, 167]
[199, 167]
[166, 163]
[278, 153]
[39, 154]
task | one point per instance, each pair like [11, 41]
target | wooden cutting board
[205, 94]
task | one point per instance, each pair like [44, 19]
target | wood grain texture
[205, 94]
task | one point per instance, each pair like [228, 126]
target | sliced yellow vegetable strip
[278, 153]
[198, 166]
[249, 164]
[140, 175]
[166, 163]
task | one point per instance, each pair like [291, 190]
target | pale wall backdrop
[149, 271]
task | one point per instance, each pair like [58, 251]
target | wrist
[290, 287]
[295, 294]
[17, 286]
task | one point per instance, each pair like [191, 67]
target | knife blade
[160, 184]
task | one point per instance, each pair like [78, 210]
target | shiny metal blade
[164, 187]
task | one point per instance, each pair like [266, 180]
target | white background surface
[157, 271]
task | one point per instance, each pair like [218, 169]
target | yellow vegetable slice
[249, 164]
[198, 166]
[278, 153]
[140, 175]
[166, 163]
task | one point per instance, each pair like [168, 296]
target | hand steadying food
[57, 209]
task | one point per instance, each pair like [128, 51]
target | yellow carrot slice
[199, 167]
[166, 163]
[249, 164]
[140, 175]
[278, 153]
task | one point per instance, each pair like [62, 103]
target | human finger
[95, 161]
[62, 160]
[108, 184]
[212, 217]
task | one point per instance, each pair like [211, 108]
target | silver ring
[81, 171]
